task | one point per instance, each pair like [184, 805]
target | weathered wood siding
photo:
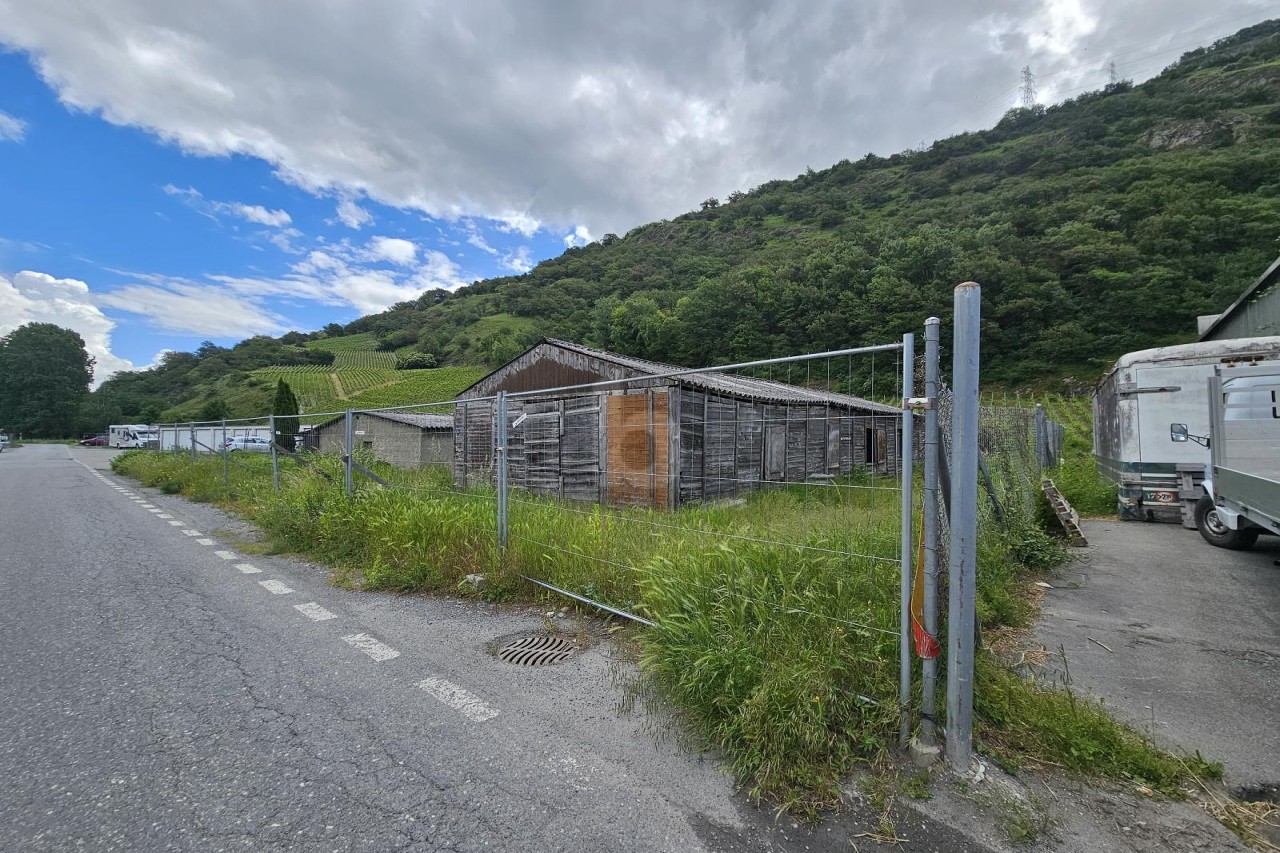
[637, 457]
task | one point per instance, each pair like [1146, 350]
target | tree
[44, 379]
[285, 404]
[415, 361]
[215, 409]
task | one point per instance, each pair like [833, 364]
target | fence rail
[591, 488]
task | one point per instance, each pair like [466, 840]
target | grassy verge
[777, 615]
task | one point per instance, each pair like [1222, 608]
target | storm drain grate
[536, 651]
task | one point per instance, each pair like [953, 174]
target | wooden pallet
[1067, 516]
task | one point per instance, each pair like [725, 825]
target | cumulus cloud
[12, 129]
[353, 215]
[36, 297]
[598, 113]
[393, 249]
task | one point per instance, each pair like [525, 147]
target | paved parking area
[1179, 638]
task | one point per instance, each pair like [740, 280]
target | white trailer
[1132, 408]
[131, 435]
[208, 438]
[1242, 490]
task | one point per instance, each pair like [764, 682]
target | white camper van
[131, 435]
[1159, 480]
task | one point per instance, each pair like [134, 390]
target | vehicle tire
[1217, 533]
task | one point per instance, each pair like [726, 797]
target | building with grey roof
[403, 439]
[660, 440]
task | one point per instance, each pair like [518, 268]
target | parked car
[94, 441]
[247, 442]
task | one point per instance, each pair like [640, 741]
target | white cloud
[353, 215]
[36, 297]
[12, 129]
[255, 213]
[518, 261]
[393, 249]
[579, 236]
[195, 308]
[591, 113]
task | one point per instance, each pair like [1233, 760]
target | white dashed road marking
[466, 703]
[164, 515]
[314, 612]
[146, 505]
[178, 524]
[375, 649]
[227, 555]
[205, 541]
[191, 532]
[277, 588]
[156, 511]
[249, 568]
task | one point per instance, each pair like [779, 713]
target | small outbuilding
[403, 439]
[661, 442]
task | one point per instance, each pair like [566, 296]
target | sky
[178, 172]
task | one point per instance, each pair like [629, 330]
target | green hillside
[1098, 226]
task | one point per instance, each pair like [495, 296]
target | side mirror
[1178, 432]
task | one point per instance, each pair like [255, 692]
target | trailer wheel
[1215, 532]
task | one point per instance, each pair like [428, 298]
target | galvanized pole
[1042, 436]
[906, 451]
[346, 480]
[501, 448]
[193, 440]
[275, 456]
[225, 474]
[932, 542]
[964, 527]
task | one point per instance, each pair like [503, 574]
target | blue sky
[125, 212]
[175, 172]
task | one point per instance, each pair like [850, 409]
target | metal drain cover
[536, 651]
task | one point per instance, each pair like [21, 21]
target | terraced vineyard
[356, 380]
[322, 389]
[364, 360]
[420, 386]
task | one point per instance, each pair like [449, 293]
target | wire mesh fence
[731, 502]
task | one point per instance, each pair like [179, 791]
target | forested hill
[1098, 226]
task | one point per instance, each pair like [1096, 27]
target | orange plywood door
[637, 455]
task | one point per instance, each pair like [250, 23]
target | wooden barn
[661, 442]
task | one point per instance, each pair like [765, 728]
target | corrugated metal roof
[1267, 287]
[421, 421]
[730, 385]
[415, 419]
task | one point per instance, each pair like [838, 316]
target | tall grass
[776, 616]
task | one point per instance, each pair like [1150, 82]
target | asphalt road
[1180, 638]
[163, 688]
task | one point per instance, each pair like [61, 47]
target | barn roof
[422, 421]
[720, 383]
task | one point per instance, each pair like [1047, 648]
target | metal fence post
[346, 478]
[275, 455]
[1042, 436]
[964, 527]
[500, 435]
[223, 445]
[932, 542]
[192, 426]
[907, 451]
